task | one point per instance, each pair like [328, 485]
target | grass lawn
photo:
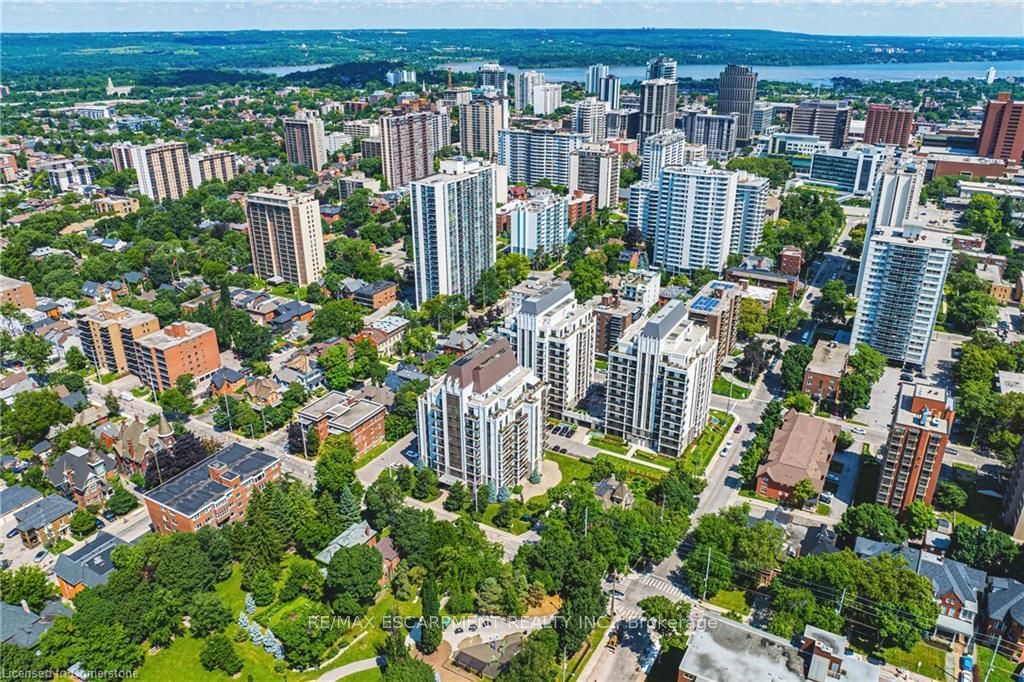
[931, 659]
[1002, 669]
[655, 459]
[230, 591]
[597, 640]
[981, 510]
[631, 467]
[518, 526]
[371, 624]
[180, 661]
[700, 452]
[372, 454]
[609, 444]
[371, 675]
[732, 600]
[59, 546]
[601, 364]
[572, 469]
[723, 385]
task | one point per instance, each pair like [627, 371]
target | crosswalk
[662, 585]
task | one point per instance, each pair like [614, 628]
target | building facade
[1002, 130]
[479, 123]
[409, 142]
[453, 227]
[657, 106]
[483, 422]
[661, 67]
[828, 120]
[717, 132]
[531, 155]
[180, 348]
[213, 165]
[595, 169]
[886, 125]
[554, 337]
[667, 148]
[285, 235]
[526, 81]
[304, 140]
[737, 90]
[590, 118]
[545, 98]
[540, 223]
[912, 456]
[214, 492]
[608, 91]
[494, 76]
[108, 333]
[659, 382]
[162, 169]
[899, 291]
[595, 73]
[847, 170]
[826, 370]
[717, 307]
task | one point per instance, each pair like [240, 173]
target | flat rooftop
[193, 489]
[829, 358]
[1010, 382]
[173, 334]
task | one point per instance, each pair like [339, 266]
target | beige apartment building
[179, 348]
[285, 235]
[304, 140]
[163, 170]
[216, 164]
[108, 333]
[17, 292]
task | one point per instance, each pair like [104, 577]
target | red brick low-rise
[214, 492]
[336, 413]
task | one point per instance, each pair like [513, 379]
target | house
[302, 369]
[377, 294]
[487, 660]
[405, 373]
[1004, 614]
[213, 492]
[263, 392]
[819, 540]
[45, 521]
[137, 445]
[613, 493]
[15, 498]
[357, 534]
[42, 449]
[13, 384]
[801, 449]
[724, 649]
[764, 278]
[389, 558]
[226, 381]
[290, 312]
[95, 292]
[21, 627]
[458, 343]
[88, 566]
[83, 476]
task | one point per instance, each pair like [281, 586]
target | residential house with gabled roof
[263, 392]
[801, 448]
[87, 566]
[302, 369]
[45, 521]
[14, 498]
[358, 533]
[226, 381]
[137, 445]
[21, 627]
[83, 476]
[1004, 614]
[13, 384]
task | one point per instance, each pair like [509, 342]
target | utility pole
[707, 574]
[586, 519]
[228, 410]
[842, 598]
[991, 662]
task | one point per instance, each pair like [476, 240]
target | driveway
[485, 629]
[391, 457]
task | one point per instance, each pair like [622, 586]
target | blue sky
[843, 17]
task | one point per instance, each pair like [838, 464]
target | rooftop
[89, 564]
[1010, 382]
[485, 366]
[801, 448]
[829, 358]
[726, 650]
[193, 489]
[356, 534]
[173, 334]
[43, 512]
[344, 412]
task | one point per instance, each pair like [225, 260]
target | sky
[837, 17]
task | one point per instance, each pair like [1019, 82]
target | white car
[859, 431]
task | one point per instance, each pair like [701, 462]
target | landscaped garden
[723, 386]
[700, 452]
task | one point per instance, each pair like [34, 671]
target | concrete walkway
[351, 669]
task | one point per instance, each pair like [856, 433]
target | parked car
[825, 498]
[859, 431]
[12, 533]
[108, 515]
[953, 451]
[100, 524]
[40, 555]
[739, 427]
[729, 444]
[833, 477]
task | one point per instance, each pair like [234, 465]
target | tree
[972, 310]
[794, 363]
[917, 518]
[337, 318]
[670, 619]
[32, 414]
[82, 523]
[488, 290]
[29, 584]
[752, 320]
[34, 351]
[348, 505]
[432, 633]
[263, 589]
[869, 362]
[335, 466]
[408, 670]
[207, 614]
[950, 496]
[457, 498]
[989, 550]
[121, 501]
[425, 487]
[872, 521]
[383, 498]
[75, 360]
[855, 391]
[185, 383]
[503, 517]
[536, 660]
[799, 401]
[802, 491]
[335, 365]
[831, 307]
[355, 571]
[587, 279]
[176, 403]
[218, 653]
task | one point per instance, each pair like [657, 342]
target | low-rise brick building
[336, 413]
[214, 492]
[801, 449]
[46, 521]
[825, 370]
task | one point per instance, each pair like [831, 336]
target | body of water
[285, 70]
[813, 75]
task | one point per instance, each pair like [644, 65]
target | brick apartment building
[886, 125]
[825, 370]
[791, 260]
[376, 295]
[180, 348]
[214, 492]
[801, 449]
[336, 413]
[17, 292]
[108, 333]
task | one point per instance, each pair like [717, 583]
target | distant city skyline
[1000, 18]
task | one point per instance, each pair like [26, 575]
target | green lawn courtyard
[722, 386]
[700, 452]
